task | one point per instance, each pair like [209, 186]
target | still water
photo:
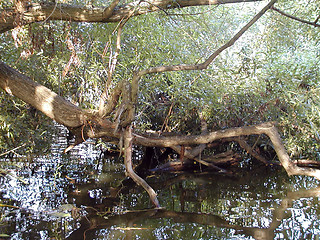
[75, 197]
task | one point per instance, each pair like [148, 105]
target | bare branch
[205, 64]
[163, 141]
[296, 18]
[268, 129]
[129, 170]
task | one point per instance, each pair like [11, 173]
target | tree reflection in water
[129, 220]
[264, 204]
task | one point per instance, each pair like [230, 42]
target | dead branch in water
[268, 129]
[129, 170]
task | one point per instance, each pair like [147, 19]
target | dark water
[74, 197]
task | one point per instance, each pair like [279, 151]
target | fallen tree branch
[250, 150]
[129, 170]
[53, 106]
[268, 129]
[164, 141]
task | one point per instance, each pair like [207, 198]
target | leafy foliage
[23, 124]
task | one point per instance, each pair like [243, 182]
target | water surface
[75, 197]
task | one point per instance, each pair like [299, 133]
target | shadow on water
[75, 197]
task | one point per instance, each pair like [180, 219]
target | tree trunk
[40, 97]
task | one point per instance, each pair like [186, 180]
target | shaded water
[74, 197]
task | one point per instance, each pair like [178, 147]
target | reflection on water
[75, 197]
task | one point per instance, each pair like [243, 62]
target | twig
[296, 18]
[12, 150]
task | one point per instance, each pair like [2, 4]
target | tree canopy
[205, 70]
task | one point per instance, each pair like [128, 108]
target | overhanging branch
[205, 64]
[37, 12]
[315, 24]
